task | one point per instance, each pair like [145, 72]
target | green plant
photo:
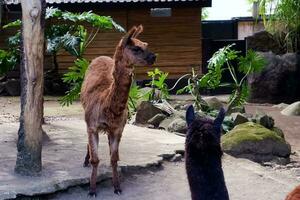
[193, 87]
[281, 18]
[136, 95]
[75, 78]
[71, 35]
[221, 61]
[7, 61]
[157, 82]
[10, 57]
[204, 14]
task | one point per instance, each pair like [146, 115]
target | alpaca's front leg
[86, 162]
[114, 142]
[94, 160]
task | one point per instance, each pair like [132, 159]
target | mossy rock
[254, 141]
[278, 131]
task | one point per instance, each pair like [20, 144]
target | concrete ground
[141, 152]
[63, 156]
[245, 181]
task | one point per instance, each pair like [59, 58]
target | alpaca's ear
[190, 115]
[128, 36]
[219, 120]
[138, 31]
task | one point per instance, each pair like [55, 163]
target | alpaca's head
[204, 134]
[134, 50]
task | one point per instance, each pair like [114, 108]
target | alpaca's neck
[122, 76]
[206, 176]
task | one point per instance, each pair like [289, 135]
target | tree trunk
[32, 80]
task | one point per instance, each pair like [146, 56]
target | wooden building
[171, 27]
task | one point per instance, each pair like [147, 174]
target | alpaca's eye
[137, 49]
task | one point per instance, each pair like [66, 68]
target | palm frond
[74, 77]
[252, 62]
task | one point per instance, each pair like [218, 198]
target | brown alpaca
[104, 96]
[294, 195]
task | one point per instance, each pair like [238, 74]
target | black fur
[203, 157]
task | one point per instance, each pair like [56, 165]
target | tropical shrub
[281, 18]
[11, 56]
[222, 61]
[193, 87]
[157, 82]
[71, 35]
[74, 78]
[8, 61]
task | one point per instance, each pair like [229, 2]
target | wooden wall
[248, 28]
[176, 40]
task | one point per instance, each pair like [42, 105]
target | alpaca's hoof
[86, 164]
[118, 191]
[92, 194]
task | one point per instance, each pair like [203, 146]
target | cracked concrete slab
[63, 156]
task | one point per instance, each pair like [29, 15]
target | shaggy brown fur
[104, 96]
[294, 195]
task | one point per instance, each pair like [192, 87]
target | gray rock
[263, 41]
[237, 110]
[270, 85]
[176, 158]
[177, 106]
[13, 87]
[184, 107]
[145, 111]
[157, 119]
[166, 122]
[238, 118]
[255, 142]
[213, 103]
[292, 110]
[281, 161]
[165, 107]
[266, 121]
[281, 106]
[178, 125]
[278, 131]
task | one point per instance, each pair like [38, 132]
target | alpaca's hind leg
[86, 162]
[94, 160]
[114, 158]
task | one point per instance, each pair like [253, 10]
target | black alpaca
[203, 157]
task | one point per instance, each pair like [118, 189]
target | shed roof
[203, 3]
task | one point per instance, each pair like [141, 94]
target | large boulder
[13, 87]
[255, 142]
[53, 84]
[165, 124]
[214, 103]
[178, 125]
[264, 42]
[238, 118]
[266, 121]
[292, 110]
[156, 120]
[278, 81]
[281, 106]
[145, 111]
